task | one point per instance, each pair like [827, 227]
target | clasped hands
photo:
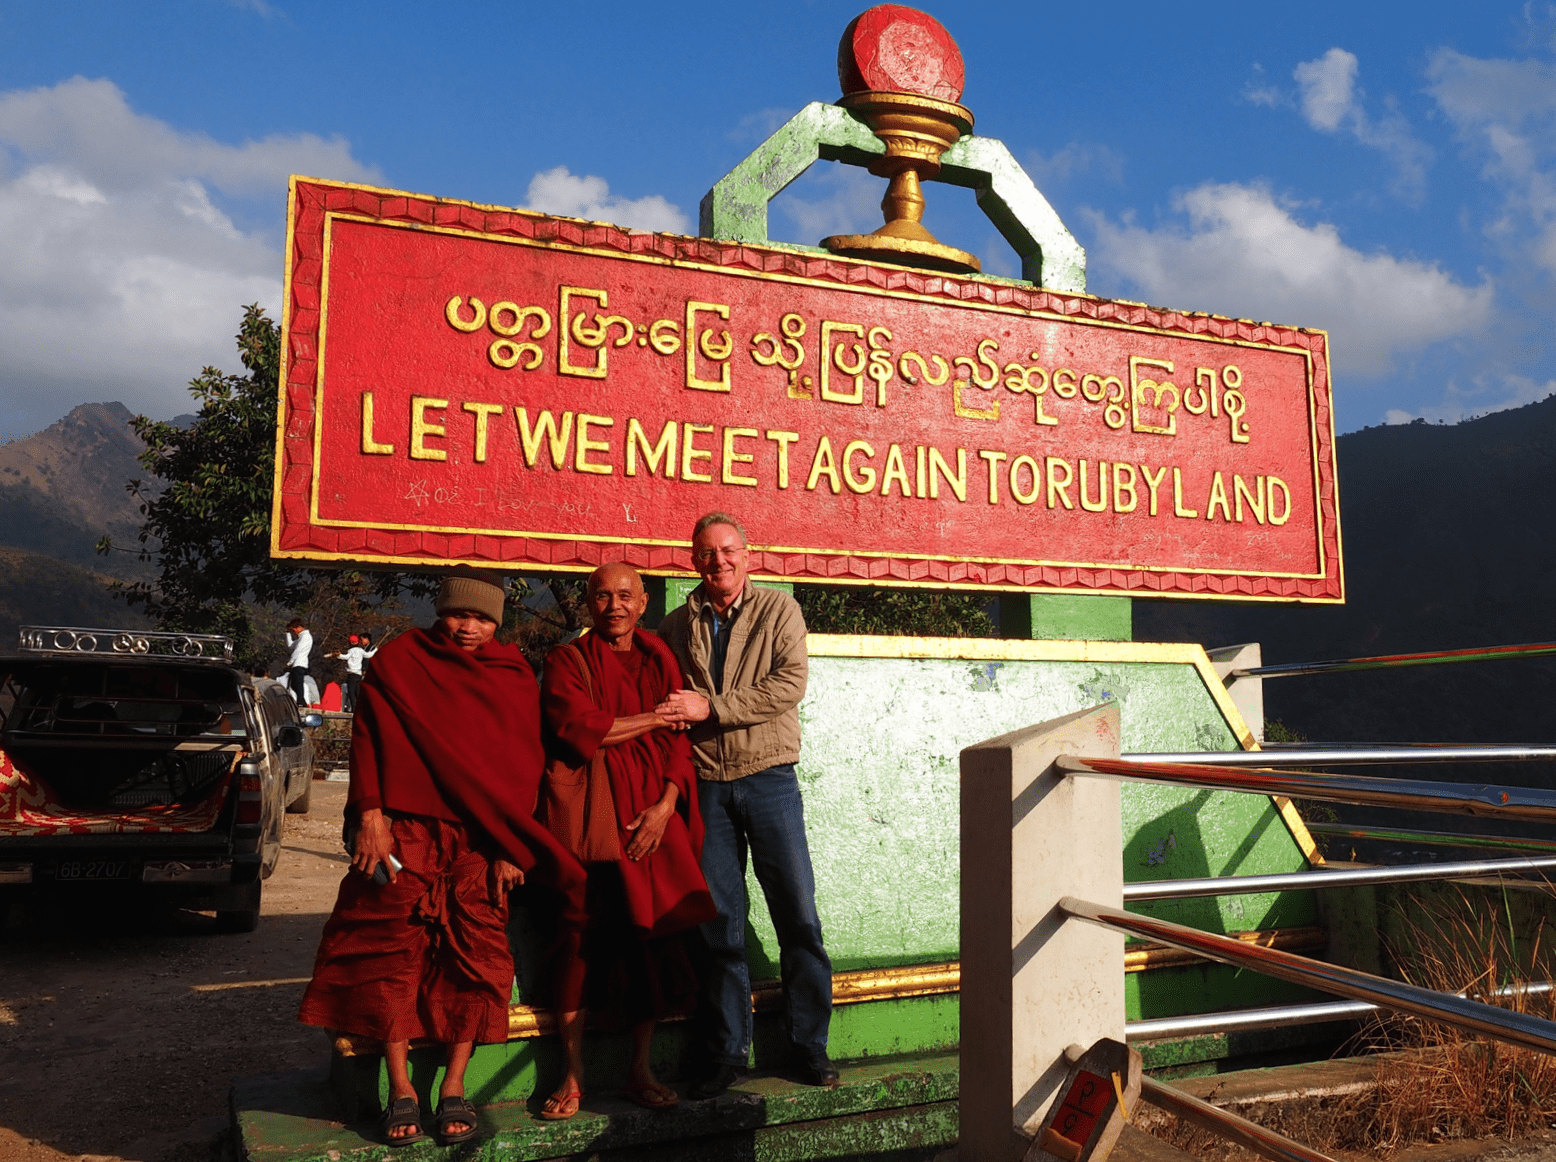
[683, 709]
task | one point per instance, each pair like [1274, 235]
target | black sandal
[402, 1111]
[455, 1109]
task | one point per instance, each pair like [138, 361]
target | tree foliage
[892, 612]
[207, 513]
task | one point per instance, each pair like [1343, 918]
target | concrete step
[898, 1109]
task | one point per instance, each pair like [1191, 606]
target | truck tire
[244, 917]
[299, 805]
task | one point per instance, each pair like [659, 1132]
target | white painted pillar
[1032, 982]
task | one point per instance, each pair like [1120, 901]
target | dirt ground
[120, 1032]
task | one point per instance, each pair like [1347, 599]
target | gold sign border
[885, 582]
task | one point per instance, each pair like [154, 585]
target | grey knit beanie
[473, 589]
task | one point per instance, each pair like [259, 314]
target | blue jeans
[761, 813]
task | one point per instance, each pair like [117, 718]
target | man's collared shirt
[722, 628]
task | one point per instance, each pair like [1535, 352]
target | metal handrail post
[1284, 1016]
[1472, 1016]
[1188, 889]
[1433, 838]
[1416, 794]
[1399, 661]
[1219, 1121]
[1355, 754]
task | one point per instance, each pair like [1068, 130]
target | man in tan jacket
[742, 650]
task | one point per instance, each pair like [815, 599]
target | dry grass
[1434, 1083]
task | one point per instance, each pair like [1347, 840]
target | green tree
[207, 514]
[893, 612]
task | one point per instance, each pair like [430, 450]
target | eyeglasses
[705, 555]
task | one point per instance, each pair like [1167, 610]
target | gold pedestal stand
[916, 130]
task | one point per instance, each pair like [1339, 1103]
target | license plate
[94, 869]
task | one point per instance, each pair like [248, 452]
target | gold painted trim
[827, 645]
[331, 216]
[1146, 956]
[318, 374]
[442, 565]
[1298, 828]
[277, 468]
[848, 988]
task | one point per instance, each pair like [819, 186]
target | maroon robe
[447, 743]
[665, 892]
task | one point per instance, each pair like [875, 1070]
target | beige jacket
[755, 723]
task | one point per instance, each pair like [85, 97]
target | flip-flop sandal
[653, 1097]
[566, 1106]
[454, 1109]
[402, 1111]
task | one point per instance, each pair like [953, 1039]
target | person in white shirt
[356, 661]
[300, 642]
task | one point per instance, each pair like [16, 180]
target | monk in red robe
[446, 761]
[645, 888]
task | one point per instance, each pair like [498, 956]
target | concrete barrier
[1033, 983]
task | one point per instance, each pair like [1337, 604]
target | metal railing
[1240, 1130]
[1356, 754]
[1267, 772]
[1461, 1012]
[1417, 794]
[1398, 661]
[1350, 877]
[1434, 838]
[1280, 1016]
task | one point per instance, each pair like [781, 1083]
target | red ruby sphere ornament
[895, 49]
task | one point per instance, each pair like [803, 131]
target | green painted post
[667, 593]
[736, 208]
[1098, 617]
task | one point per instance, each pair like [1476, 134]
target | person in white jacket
[361, 649]
[300, 642]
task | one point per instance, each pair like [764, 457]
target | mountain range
[61, 490]
[1449, 542]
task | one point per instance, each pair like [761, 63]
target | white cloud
[760, 125]
[1476, 92]
[88, 127]
[1328, 88]
[1259, 91]
[1331, 101]
[828, 199]
[119, 276]
[556, 191]
[1244, 254]
[1073, 160]
[1508, 110]
[1481, 398]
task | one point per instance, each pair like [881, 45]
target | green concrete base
[517, 1070]
[897, 1110]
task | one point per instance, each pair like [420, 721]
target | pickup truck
[144, 762]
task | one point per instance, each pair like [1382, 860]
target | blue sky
[1385, 171]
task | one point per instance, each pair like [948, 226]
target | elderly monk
[446, 762]
[641, 838]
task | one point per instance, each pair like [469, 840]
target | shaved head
[616, 599]
[612, 576]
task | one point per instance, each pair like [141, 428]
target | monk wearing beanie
[446, 762]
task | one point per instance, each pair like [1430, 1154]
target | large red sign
[474, 384]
